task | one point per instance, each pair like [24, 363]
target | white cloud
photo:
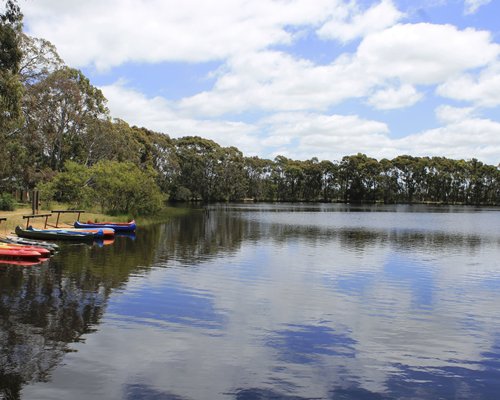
[303, 135]
[350, 23]
[425, 53]
[387, 70]
[391, 98]
[332, 136]
[276, 81]
[408, 54]
[161, 115]
[463, 139]
[325, 136]
[447, 114]
[482, 90]
[114, 32]
[471, 6]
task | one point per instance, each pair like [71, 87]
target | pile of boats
[32, 245]
[18, 251]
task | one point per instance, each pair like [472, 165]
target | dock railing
[59, 212]
[28, 217]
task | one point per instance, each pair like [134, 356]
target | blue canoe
[52, 234]
[117, 226]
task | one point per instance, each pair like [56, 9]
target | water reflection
[254, 302]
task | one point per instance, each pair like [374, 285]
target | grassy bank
[15, 218]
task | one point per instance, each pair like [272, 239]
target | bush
[123, 188]
[120, 188]
[7, 202]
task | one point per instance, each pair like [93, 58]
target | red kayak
[13, 246]
[21, 253]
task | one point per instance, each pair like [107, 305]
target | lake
[264, 301]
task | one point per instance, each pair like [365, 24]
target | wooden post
[33, 208]
[28, 217]
[59, 212]
[35, 197]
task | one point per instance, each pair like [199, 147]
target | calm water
[264, 302]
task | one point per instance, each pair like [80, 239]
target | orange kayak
[19, 253]
[12, 246]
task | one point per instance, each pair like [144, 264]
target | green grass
[15, 218]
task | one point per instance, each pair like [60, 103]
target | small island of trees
[57, 135]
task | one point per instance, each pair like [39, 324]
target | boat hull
[118, 227]
[19, 253]
[12, 246]
[14, 239]
[100, 232]
[41, 234]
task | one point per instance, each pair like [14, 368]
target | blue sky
[299, 78]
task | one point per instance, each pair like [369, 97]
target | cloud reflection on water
[296, 310]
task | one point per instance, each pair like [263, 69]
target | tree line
[57, 135]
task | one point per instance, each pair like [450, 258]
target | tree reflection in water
[44, 309]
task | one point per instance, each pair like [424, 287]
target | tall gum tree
[11, 88]
[59, 111]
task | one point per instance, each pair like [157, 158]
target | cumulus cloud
[425, 53]
[349, 23]
[303, 135]
[113, 32]
[161, 115]
[411, 54]
[276, 81]
[448, 114]
[473, 137]
[328, 137]
[482, 90]
[391, 67]
[391, 98]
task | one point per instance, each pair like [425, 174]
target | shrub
[125, 188]
[7, 202]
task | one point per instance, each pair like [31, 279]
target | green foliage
[11, 89]
[10, 58]
[119, 188]
[7, 202]
[70, 186]
[39, 60]
[125, 188]
[71, 149]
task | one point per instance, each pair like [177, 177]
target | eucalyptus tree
[39, 59]
[360, 176]
[10, 59]
[231, 179]
[312, 180]
[11, 89]
[330, 184]
[60, 110]
[108, 139]
[409, 177]
[288, 177]
[157, 151]
[258, 172]
[388, 182]
[198, 159]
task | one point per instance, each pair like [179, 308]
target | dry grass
[15, 218]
